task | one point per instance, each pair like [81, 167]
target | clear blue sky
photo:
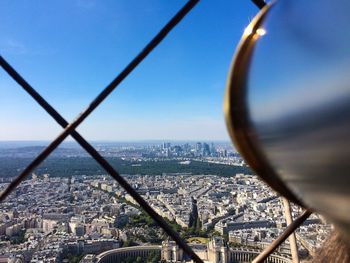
[70, 50]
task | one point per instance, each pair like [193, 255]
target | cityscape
[90, 218]
[119, 118]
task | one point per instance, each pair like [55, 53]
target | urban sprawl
[67, 219]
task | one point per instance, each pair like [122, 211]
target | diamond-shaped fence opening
[69, 129]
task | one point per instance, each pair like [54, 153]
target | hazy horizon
[11, 144]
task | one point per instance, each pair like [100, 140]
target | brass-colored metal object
[287, 103]
[236, 111]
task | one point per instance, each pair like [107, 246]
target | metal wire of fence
[69, 129]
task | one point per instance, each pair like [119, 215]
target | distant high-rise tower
[198, 148]
[206, 149]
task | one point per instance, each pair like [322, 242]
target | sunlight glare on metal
[261, 31]
[248, 30]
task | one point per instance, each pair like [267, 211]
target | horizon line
[131, 140]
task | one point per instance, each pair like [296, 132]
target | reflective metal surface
[295, 102]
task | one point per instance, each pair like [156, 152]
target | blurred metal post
[292, 239]
[289, 230]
